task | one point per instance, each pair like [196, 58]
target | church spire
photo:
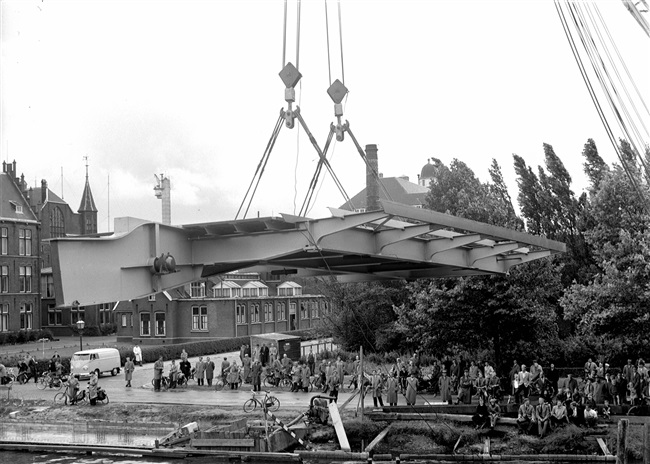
[87, 208]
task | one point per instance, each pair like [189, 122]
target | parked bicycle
[63, 398]
[269, 403]
[24, 374]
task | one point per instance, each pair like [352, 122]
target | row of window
[24, 241]
[200, 316]
[24, 280]
[26, 316]
[253, 289]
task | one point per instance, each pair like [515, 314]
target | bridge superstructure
[394, 242]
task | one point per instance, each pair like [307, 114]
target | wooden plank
[349, 399]
[338, 427]
[603, 446]
[222, 442]
[377, 439]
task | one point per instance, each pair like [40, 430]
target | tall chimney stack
[372, 182]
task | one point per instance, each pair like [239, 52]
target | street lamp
[80, 327]
[80, 324]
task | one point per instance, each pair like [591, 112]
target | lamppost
[80, 324]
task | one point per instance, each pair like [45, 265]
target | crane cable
[595, 57]
[565, 24]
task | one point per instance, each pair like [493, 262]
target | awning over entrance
[396, 242]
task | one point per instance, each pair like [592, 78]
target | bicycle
[164, 383]
[51, 381]
[269, 403]
[641, 409]
[62, 397]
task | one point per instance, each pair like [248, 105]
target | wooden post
[646, 443]
[361, 379]
[621, 445]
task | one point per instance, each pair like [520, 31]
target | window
[4, 240]
[4, 317]
[24, 242]
[4, 279]
[47, 284]
[54, 315]
[151, 297]
[57, 223]
[25, 279]
[303, 310]
[78, 314]
[145, 324]
[160, 323]
[324, 307]
[197, 290]
[282, 312]
[241, 313]
[124, 320]
[255, 314]
[292, 309]
[314, 310]
[289, 289]
[26, 316]
[250, 292]
[199, 318]
[16, 207]
[268, 312]
[105, 313]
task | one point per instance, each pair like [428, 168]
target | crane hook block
[337, 91]
[290, 75]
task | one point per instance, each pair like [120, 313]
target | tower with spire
[87, 209]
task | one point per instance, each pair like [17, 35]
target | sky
[190, 89]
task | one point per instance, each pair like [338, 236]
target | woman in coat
[246, 365]
[129, 367]
[92, 388]
[306, 375]
[233, 376]
[392, 387]
[411, 389]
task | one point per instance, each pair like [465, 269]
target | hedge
[24, 336]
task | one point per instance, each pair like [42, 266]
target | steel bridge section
[395, 242]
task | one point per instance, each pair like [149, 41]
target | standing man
[129, 367]
[200, 371]
[209, 370]
[31, 363]
[256, 373]
[513, 376]
[392, 387]
[376, 385]
[225, 370]
[553, 376]
[137, 353]
[246, 367]
[273, 353]
[157, 373]
[265, 354]
[311, 361]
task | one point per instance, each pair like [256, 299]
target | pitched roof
[400, 191]
[87, 201]
[12, 201]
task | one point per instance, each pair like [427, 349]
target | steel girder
[396, 242]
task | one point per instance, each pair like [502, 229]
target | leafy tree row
[593, 301]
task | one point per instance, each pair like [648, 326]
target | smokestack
[372, 182]
[43, 191]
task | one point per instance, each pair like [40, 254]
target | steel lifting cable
[327, 34]
[585, 77]
[261, 166]
[593, 54]
[284, 37]
[341, 43]
[314, 180]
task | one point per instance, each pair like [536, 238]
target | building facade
[19, 257]
[235, 304]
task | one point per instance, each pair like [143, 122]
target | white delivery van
[100, 360]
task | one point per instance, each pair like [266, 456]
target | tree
[362, 313]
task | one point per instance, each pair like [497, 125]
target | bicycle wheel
[269, 382]
[285, 384]
[60, 398]
[22, 378]
[105, 400]
[272, 403]
[250, 405]
[218, 385]
[42, 382]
